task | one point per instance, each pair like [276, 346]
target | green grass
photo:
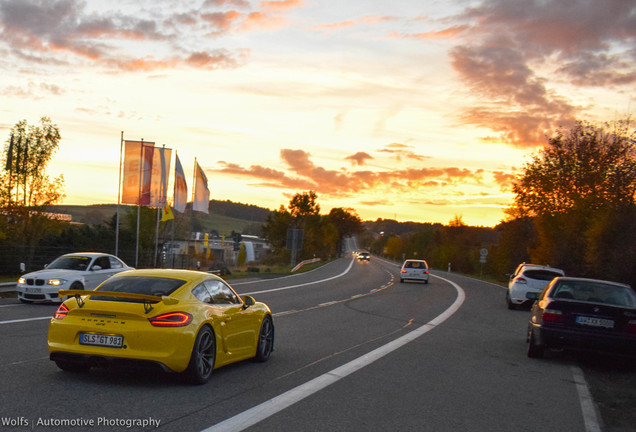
[5, 278]
[269, 271]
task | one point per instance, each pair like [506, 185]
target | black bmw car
[585, 314]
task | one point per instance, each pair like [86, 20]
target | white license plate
[595, 322]
[33, 290]
[101, 340]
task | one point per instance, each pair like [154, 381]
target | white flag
[180, 187]
[201, 200]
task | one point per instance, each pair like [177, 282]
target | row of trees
[574, 208]
[322, 235]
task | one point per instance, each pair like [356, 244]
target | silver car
[415, 270]
[82, 271]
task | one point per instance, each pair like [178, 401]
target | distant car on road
[76, 271]
[529, 278]
[415, 270]
[585, 314]
[364, 256]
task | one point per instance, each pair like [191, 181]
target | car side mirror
[248, 301]
[96, 267]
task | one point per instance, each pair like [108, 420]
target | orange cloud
[281, 5]
[359, 158]
[352, 23]
[302, 173]
[448, 33]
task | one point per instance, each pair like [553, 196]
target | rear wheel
[509, 303]
[534, 350]
[203, 357]
[265, 340]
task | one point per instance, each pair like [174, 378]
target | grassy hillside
[223, 224]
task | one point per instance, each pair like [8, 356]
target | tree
[587, 168]
[580, 193]
[26, 191]
[303, 205]
[346, 222]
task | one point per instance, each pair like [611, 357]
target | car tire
[426, 281]
[72, 366]
[509, 303]
[77, 286]
[265, 340]
[534, 350]
[26, 301]
[203, 357]
[401, 280]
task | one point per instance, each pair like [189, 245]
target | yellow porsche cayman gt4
[181, 320]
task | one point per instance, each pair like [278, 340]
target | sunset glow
[409, 110]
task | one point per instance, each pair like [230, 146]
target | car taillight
[631, 326]
[61, 312]
[552, 315]
[403, 271]
[173, 319]
[426, 271]
[520, 280]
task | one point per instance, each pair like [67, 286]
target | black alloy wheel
[265, 340]
[203, 357]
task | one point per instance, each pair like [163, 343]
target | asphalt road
[356, 350]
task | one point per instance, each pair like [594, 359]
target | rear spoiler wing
[78, 294]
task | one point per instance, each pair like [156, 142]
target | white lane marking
[588, 407]
[11, 305]
[304, 284]
[270, 407]
[25, 320]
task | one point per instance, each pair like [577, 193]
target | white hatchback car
[413, 269]
[83, 270]
[527, 282]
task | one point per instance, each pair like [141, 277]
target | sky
[410, 110]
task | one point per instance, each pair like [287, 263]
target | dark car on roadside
[583, 314]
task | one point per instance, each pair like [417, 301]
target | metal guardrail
[7, 286]
[302, 263]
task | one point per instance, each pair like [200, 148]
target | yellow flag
[166, 214]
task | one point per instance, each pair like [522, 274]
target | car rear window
[415, 264]
[595, 292]
[543, 275]
[148, 285]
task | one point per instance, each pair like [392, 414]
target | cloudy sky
[404, 109]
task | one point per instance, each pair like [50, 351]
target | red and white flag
[180, 187]
[159, 179]
[201, 199]
[137, 172]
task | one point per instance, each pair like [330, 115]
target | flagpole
[174, 199]
[161, 192]
[141, 164]
[194, 186]
[121, 150]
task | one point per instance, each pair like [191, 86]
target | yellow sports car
[184, 321]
